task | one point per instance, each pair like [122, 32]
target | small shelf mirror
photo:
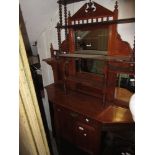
[125, 87]
[90, 66]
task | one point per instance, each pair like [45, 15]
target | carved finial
[133, 51]
[58, 24]
[69, 14]
[116, 5]
[134, 43]
[90, 7]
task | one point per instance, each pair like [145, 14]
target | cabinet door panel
[64, 123]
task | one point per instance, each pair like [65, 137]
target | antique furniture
[94, 77]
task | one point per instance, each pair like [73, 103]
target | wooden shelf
[109, 22]
[92, 52]
[63, 2]
[98, 57]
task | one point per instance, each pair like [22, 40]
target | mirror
[91, 41]
[126, 81]
[91, 66]
[125, 87]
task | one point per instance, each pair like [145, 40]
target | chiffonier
[93, 77]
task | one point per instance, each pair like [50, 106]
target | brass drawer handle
[80, 128]
[87, 120]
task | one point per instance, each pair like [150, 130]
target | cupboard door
[64, 123]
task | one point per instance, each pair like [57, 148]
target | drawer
[70, 114]
[89, 121]
[84, 119]
[86, 137]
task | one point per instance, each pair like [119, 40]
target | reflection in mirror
[125, 87]
[91, 41]
[89, 65]
[126, 81]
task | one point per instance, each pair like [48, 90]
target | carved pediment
[92, 10]
[120, 47]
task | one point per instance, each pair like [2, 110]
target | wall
[37, 16]
[46, 70]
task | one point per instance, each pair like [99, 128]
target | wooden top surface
[122, 59]
[96, 52]
[88, 105]
[98, 57]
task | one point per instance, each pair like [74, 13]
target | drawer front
[89, 121]
[86, 137]
[77, 117]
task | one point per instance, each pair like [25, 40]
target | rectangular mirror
[91, 41]
[125, 87]
[91, 66]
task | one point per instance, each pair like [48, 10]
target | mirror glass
[125, 87]
[91, 66]
[91, 41]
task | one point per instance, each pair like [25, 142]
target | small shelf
[98, 57]
[63, 2]
[92, 52]
[109, 22]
